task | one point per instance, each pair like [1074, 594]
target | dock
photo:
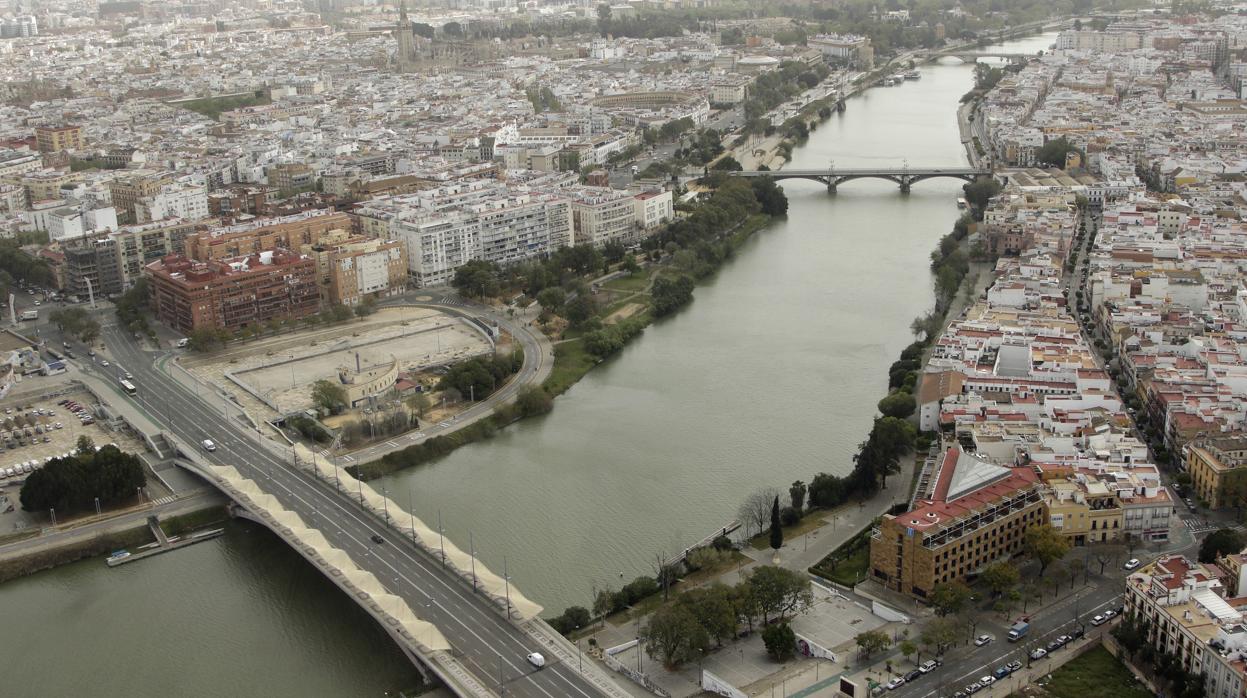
[163, 543]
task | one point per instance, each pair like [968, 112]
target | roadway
[487, 644]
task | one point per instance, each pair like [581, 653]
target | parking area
[34, 431]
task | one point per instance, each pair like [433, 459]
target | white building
[188, 201]
[653, 208]
[602, 215]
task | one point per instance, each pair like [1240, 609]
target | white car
[895, 683]
[986, 681]
[1099, 620]
[1039, 653]
[536, 660]
[983, 640]
[208, 445]
[1132, 563]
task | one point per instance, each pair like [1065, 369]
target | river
[769, 376]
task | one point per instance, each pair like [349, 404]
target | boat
[119, 555]
[913, 75]
[962, 203]
[890, 81]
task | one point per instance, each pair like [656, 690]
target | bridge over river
[903, 176]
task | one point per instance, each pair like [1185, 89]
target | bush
[571, 619]
[722, 543]
[789, 516]
[72, 484]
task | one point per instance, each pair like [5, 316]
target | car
[105, 363]
[929, 666]
[1053, 646]
[983, 640]
[90, 352]
[1065, 639]
[1077, 633]
[377, 539]
[987, 681]
[1014, 666]
[912, 675]
[974, 688]
[65, 344]
[1109, 614]
[1132, 563]
[1039, 653]
[1001, 672]
[1098, 620]
[536, 659]
[128, 376]
[208, 444]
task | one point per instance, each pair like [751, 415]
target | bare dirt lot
[282, 370]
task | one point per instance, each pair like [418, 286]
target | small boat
[913, 75]
[961, 202]
[119, 555]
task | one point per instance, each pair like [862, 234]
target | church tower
[406, 43]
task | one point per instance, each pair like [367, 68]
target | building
[361, 268]
[54, 139]
[1182, 605]
[600, 216]
[92, 269]
[845, 48]
[233, 293]
[1215, 465]
[185, 201]
[127, 192]
[653, 208]
[978, 513]
[20, 27]
[730, 89]
[299, 232]
[291, 176]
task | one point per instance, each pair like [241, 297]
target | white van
[183, 342]
[209, 445]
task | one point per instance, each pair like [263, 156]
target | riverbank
[128, 529]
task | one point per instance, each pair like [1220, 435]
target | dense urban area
[266, 264]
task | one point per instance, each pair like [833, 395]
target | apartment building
[1187, 616]
[978, 513]
[600, 216]
[1216, 466]
[185, 201]
[299, 232]
[360, 268]
[730, 89]
[54, 139]
[653, 208]
[235, 292]
[504, 229]
[852, 49]
[91, 268]
[126, 192]
[291, 176]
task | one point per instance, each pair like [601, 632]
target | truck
[30, 314]
[1017, 631]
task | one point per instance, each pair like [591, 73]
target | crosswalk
[1203, 526]
[165, 500]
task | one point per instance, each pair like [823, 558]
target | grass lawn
[571, 361]
[628, 284]
[808, 523]
[212, 107]
[1095, 674]
[849, 563]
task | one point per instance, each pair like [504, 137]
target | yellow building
[358, 268]
[1215, 465]
[54, 139]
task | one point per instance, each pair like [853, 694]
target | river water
[769, 376]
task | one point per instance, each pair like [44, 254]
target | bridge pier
[831, 187]
[905, 184]
[840, 106]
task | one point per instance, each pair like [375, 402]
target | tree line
[73, 483]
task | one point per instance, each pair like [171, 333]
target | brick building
[978, 513]
[299, 233]
[233, 293]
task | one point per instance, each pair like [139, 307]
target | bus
[129, 387]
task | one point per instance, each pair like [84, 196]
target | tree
[74, 483]
[1105, 554]
[673, 634]
[949, 597]
[899, 404]
[1046, 545]
[727, 163]
[329, 396]
[1054, 152]
[780, 641]
[796, 493]
[552, 299]
[908, 648]
[579, 309]
[84, 445]
[366, 307]
[778, 592]
[477, 279]
[670, 294]
[714, 610]
[1000, 576]
[1220, 542]
[533, 400]
[777, 531]
[753, 512]
[940, 633]
[872, 642]
[980, 191]
[418, 403]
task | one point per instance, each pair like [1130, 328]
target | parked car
[983, 640]
[1132, 563]
[1014, 666]
[912, 675]
[1039, 653]
[929, 666]
[894, 683]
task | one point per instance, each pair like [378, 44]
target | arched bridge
[904, 176]
[974, 56]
